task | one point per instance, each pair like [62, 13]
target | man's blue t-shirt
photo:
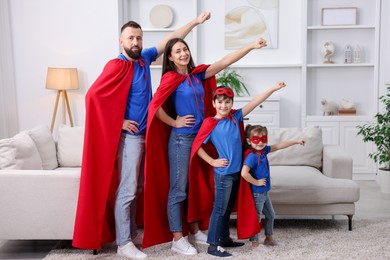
[226, 138]
[140, 92]
[188, 99]
[259, 169]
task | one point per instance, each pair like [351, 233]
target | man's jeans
[264, 204]
[131, 152]
[179, 150]
[226, 189]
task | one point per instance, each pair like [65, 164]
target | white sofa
[39, 180]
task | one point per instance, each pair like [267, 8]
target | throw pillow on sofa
[46, 146]
[19, 153]
[310, 154]
[70, 146]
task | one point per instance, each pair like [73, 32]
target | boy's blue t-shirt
[227, 140]
[259, 169]
[140, 92]
[188, 99]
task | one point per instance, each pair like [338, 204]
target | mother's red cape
[156, 186]
[105, 108]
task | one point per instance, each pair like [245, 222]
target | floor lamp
[62, 79]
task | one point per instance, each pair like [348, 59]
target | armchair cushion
[46, 146]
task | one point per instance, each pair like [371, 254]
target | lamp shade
[62, 78]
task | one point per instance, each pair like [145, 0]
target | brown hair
[131, 24]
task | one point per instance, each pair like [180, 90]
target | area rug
[298, 239]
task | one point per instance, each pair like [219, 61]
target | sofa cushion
[310, 154]
[307, 185]
[19, 152]
[46, 146]
[70, 146]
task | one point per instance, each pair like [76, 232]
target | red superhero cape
[105, 108]
[156, 186]
[204, 181]
[248, 223]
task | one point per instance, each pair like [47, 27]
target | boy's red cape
[156, 188]
[105, 108]
[247, 220]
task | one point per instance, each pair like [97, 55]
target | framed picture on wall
[340, 16]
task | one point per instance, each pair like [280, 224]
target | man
[112, 164]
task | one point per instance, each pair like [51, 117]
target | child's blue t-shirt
[188, 99]
[227, 140]
[140, 93]
[259, 169]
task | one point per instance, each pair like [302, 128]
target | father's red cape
[105, 108]
[156, 227]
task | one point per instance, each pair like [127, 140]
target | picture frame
[339, 16]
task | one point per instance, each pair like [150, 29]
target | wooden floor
[372, 205]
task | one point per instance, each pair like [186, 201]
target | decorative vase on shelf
[328, 51]
[348, 54]
[357, 54]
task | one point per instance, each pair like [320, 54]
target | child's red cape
[105, 108]
[248, 223]
[203, 181]
[156, 188]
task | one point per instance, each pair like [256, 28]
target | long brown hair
[167, 64]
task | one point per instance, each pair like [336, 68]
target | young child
[256, 171]
[225, 131]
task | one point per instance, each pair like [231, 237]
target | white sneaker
[199, 237]
[182, 246]
[131, 251]
[137, 240]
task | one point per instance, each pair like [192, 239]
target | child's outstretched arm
[257, 100]
[285, 144]
[249, 178]
[213, 162]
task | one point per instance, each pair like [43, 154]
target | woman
[181, 102]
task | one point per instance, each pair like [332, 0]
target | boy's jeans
[226, 189]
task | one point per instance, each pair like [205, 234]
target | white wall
[84, 34]
[61, 33]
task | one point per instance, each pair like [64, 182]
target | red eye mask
[257, 139]
[221, 91]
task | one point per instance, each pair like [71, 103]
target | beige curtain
[8, 100]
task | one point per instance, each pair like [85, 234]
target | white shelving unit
[340, 80]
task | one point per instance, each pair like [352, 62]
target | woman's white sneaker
[182, 246]
[199, 238]
[131, 251]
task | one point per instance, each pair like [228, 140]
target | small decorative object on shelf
[328, 52]
[329, 108]
[347, 108]
[357, 54]
[348, 54]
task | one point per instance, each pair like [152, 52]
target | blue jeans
[179, 151]
[264, 204]
[226, 189]
[131, 153]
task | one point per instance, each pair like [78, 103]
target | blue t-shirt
[188, 99]
[227, 140]
[259, 169]
[140, 92]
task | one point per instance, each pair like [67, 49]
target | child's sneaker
[270, 242]
[218, 251]
[131, 251]
[199, 238]
[182, 246]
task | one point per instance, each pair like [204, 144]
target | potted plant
[232, 79]
[379, 133]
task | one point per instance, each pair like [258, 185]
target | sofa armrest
[336, 162]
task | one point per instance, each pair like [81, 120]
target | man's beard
[133, 54]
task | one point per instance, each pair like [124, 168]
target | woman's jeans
[179, 151]
[264, 204]
[226, 189]
[130, 155]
